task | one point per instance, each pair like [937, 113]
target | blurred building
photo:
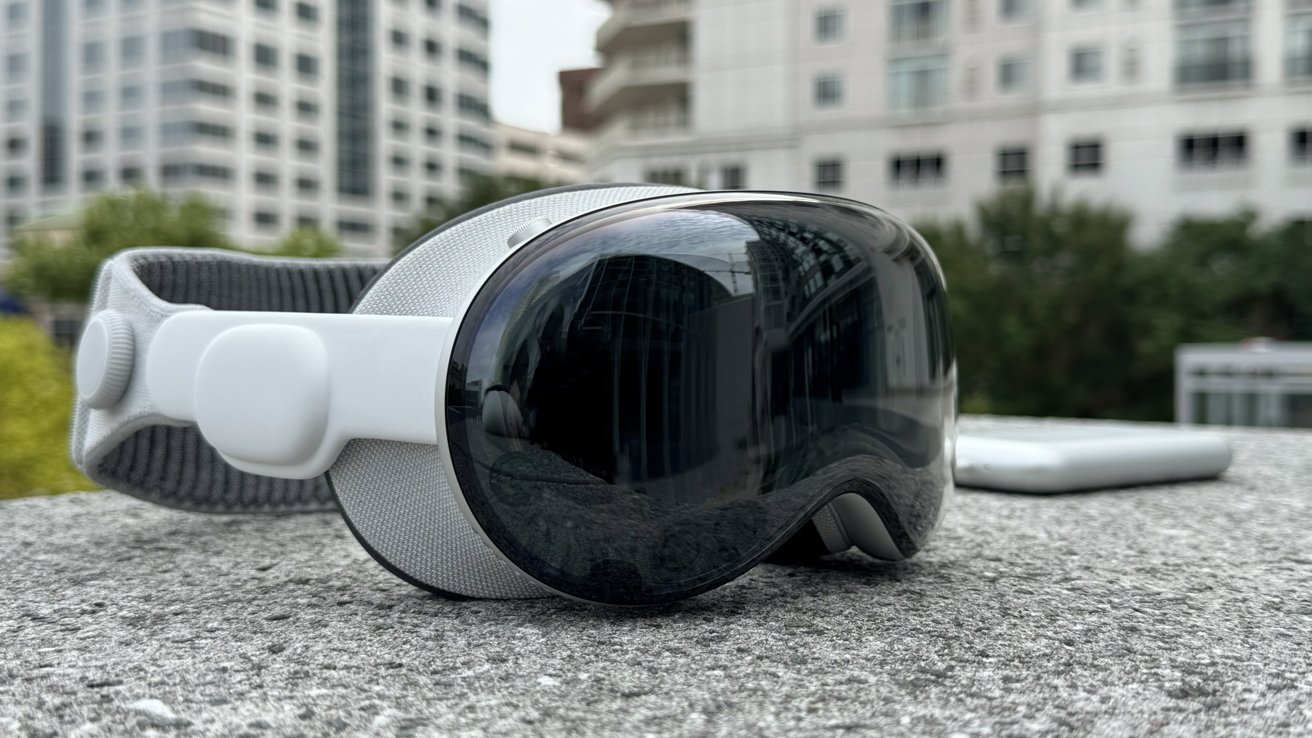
[925, 106]
[1257, 383]
[574, 112]
[349, 115]
[539, 156]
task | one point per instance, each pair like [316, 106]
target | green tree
[477, 191]
[64, 272]
[36, 400]
[307, 243]
[1043, 295]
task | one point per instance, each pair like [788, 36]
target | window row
[918, 21]
[1202, 151]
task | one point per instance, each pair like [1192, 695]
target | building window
[93, 101]
[733, 177]
[1012, 11]
[130, 137]
[1213, 54]
[829, 24]
[473, 60]
[179, 43]
[828, 91]
[266, 56]
[266, 139]
[355, 227]
[433, 96]
[181, 172]
[1204, 7]
[400, 163]
[307, 146]
[400, 198]
[265, 100]
[15, 183]
[918, 170]
[918, 83]
[432, 168]
[307, 221]
[472, 16]
[92, 138]
[268, 6]
[307, 185]
[400, 89]
[1086, 64]
[93, 179]
[433, 5]
[266, 180]
[15, 65]
[307, 109]
[266, 219]
[1013, 74]
[130, 175]
[400, 39]
[919, 20]
[829, 174]
[1298, 45]
[1213, 150]
[307, 13]
[93, 56]
[130, 97]
[432, 48]
[666, 175]
[1299, 148]
[307, 66]
[1130, 63]
[473, 107]
[400, 128]
[1013, 164]
[1085, 157]
[16, 146]
[132, 50]
[433, 134]
[473, 143]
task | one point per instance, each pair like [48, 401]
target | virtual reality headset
[624, 394]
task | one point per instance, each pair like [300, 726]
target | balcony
[635, 80]
[643, 21]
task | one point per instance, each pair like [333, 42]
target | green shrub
[36, 396]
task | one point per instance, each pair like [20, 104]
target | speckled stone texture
[1176, 610]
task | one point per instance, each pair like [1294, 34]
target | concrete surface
[1175, 611]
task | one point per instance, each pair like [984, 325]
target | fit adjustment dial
[104, 360]
[528, 232]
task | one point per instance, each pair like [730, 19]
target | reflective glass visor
[646, 401]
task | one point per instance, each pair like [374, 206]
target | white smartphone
[1073, 458]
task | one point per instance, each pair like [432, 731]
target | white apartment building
[541, 156]
[348, 115]
[1166, 107]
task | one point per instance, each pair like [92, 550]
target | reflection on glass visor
[649, 400]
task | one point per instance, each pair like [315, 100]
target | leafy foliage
[1055, 313]
[64, 272]
[307, 243]
[36, 399]
[477, 191]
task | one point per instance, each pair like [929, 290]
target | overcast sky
[531, 41]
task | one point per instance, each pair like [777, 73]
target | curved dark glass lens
[646, 402]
